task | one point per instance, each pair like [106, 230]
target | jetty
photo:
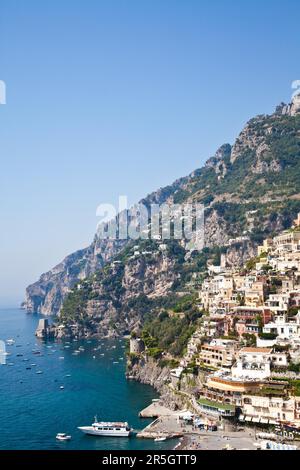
[159, 435]
[155, 410]
[165, 425]
[151, 432]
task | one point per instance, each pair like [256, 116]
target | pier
[153, 431]
[155, 410]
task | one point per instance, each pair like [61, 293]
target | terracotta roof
[257, 350]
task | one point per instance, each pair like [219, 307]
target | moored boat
[103, 428]
[10, 342]
[63, 437]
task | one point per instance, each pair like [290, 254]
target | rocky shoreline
[147, 371]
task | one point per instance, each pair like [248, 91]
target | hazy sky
[109, 97]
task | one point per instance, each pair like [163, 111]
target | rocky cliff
[114, 300]
[250, 190]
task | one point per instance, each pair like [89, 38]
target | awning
[241, 418]
[255, 420]
[248, 418]
[272, 421]
[264, 420]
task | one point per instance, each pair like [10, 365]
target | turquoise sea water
[33, 408]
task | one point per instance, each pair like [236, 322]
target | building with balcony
[253, 363]
[217, 353]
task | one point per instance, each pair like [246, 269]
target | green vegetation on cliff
[250, 189]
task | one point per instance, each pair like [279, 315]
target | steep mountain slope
[251, 189]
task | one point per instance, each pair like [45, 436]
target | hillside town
[246, 348]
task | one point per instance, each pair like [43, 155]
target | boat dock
[151, 432]
[158, 435]
[155, 410]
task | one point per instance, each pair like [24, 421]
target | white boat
[63, 437]
[160, 439]
[10, 342]
[102, 428]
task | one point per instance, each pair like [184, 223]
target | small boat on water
[102, 428]
[10, 342]
[62, 387]
[39, 372]
[160, 439]
[61, 436]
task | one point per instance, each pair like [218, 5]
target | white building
[282, 328]
[268, 409]
[256, 363]
[253, 363]
[278, 303]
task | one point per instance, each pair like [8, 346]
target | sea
[46, 389]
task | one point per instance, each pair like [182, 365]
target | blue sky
[109, 97]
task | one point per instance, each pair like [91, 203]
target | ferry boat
[102, 428]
